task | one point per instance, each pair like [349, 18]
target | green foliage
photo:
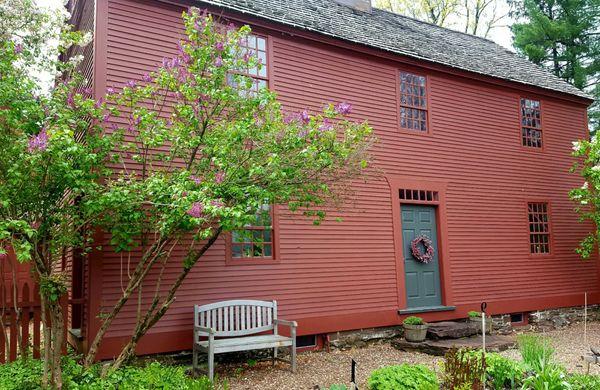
[463, 369]
[562, 36]
[404, 376]
[503, 372]
[26, 375]
[413, 320]
[474, 314]
[547, 376]
[337, 387]
[537, 351]
[584, 382]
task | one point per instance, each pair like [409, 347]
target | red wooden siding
[344, 275]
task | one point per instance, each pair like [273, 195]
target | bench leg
[293, 354]
[211, 362]
[274, 356]
[194, 360]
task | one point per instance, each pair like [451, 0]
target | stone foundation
[559, 318]
[362, 337]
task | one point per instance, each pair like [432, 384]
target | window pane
[413, 102]
[539, 228]
[255, 240]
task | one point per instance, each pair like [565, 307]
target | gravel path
[324, 369]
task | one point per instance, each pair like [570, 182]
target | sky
[500, 35]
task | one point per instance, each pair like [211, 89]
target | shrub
[412, 320]
[473, 314]
[503, 372]
[584, 382]
[27, 374]
[536, 351]
[463, 369]
[404, 376]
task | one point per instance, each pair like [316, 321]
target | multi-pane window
[254, 46]
[256, 240]
[413, 102]
[539, 228]
[531, 123]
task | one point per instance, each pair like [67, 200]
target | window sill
[250, 261]
[415, 310]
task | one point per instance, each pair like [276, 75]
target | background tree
[564, 37]
[477, 17]
[203, 150]
[50, 159]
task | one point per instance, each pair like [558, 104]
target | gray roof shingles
[403, 35]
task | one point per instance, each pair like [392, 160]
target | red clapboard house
[474, 151]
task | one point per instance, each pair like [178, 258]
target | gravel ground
[324, 369]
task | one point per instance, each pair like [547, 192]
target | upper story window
[256, 240]
[254, 46]
[531, 123]
[413, 102]
[539, 228]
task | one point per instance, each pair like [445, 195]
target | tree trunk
[136, 279]
[152, 317]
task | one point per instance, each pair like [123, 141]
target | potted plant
[415, 329]
[475, 318]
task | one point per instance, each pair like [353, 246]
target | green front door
[422, 280]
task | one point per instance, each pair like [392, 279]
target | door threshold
[425, 309]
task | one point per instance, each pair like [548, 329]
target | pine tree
[564, 37]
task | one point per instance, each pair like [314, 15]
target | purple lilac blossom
[305, 117]
[196, 179]
[110, 90]
[196, 210]
[326, 125]
[146, 77]
[219, 62]
[343, 108]
[216, 203]
[219, 46]
[38, 142]
[18, 48]
[130, 84]
[219, 177]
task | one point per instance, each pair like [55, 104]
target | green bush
[473, 314]
[536, 351]
[503, 372]
[584, 382]
[404, 376]
[412, 320]
[27, 375]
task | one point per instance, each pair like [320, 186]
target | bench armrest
[291, 324]
[204, 329]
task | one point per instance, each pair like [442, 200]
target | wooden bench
[232, 326]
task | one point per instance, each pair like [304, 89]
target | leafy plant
[548, 376]
[584, 382]
[412, 320]
[537, 351]
[337, 387]
[474, 314]
[503, 372]
[463, 369]
[403, 376]
[26, 374]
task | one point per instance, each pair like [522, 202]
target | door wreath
[422, 257]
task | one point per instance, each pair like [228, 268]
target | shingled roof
[402, 35]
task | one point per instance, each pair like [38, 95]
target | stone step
[452, 330]
[494, 343]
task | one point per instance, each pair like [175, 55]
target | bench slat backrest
[236, 317]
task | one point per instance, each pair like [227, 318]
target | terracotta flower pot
[415, 333]
[477, 322]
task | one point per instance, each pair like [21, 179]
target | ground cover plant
[404, 376]
[26, 374]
